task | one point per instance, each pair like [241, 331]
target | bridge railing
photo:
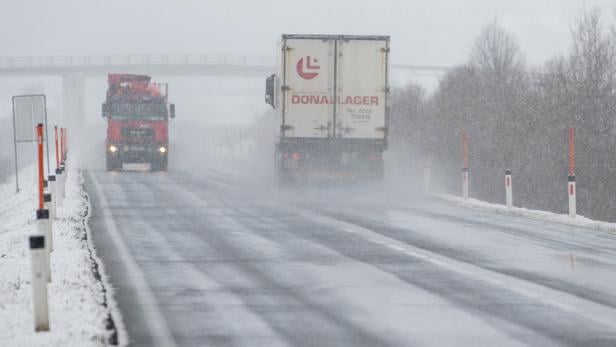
[137, 59]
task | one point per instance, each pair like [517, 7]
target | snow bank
[78, 310]
[578, 221]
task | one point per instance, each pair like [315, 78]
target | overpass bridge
[170, 65]
[75, 69]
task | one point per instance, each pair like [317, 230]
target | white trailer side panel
[362, 88]
[307, 83]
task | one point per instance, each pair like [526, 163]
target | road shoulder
[79, 309]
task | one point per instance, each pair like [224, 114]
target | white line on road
[157, 326]
[591, 310]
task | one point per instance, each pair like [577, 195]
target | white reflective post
[64, 177]
[47, 198]
[508, 189]
[571, 189]
[39, 283]
[42, 223]
[54, 197]
[59, 188]
[572, 193]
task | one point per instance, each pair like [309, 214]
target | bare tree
[592, 64]
[497, 52]
[518, 118]
[406, 124]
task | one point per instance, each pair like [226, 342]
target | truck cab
[138, 117]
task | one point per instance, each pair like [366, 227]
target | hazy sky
[423, 32]
[435, 32]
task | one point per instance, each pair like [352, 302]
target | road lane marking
[396, 247]
[156, 323]
[553, 297]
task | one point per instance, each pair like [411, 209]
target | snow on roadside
[578, 221]
[78, 311]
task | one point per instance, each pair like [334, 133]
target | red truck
[138, 118]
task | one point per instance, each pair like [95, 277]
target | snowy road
[210, 260]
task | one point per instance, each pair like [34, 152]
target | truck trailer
[138, 118]
[331, 95]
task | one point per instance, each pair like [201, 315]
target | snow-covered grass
[78, 310]
[578, 221]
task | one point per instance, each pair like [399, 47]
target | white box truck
[332, 98]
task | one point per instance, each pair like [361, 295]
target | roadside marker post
[42, 214]
[39, 283]
[63, 162]
[508, 189]
[59, 183]
[41, 164]
[465, 166]
[63, 185]
[571, 188]
[54, 197]
[42, 226]
[57, 149]
[61, 145]
[47, 197]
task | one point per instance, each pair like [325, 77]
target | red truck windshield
[153, 111]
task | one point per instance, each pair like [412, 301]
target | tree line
[517, 117]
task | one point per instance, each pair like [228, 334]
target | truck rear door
[308, 87]
[362, 87]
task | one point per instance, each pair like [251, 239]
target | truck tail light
[296, 156]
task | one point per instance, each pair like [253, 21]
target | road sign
[28, 111]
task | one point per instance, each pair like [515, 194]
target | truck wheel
[112, 164]
[159, 165]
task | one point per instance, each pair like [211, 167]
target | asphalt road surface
[219, 258]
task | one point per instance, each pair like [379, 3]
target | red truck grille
[137, 133]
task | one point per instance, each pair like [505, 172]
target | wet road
[219, 259]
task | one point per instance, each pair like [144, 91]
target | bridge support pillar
[73, 117]
[73, 85]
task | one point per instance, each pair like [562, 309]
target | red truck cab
[138, 118]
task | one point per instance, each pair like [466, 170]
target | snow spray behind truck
[138, 117]
[332, 98]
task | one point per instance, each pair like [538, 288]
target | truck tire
[159, 165]
[112, 165]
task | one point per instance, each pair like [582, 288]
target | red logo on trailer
[308, 67]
